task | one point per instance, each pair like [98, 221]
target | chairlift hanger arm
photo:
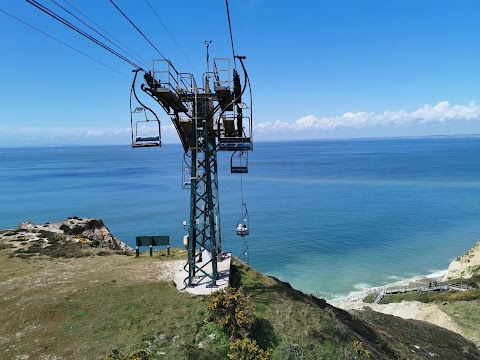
[247, 79]
[136, 97]
[137, 140]
[234, 101]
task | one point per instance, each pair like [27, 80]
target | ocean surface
[330, 217]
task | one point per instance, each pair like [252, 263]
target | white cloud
[427, 120]
[440, 113]
[150, 129]
[33, 136]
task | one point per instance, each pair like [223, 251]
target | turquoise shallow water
[330, 217]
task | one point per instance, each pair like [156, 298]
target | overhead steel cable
[63, 43]
[140, 31]
[169, 33]
[126, 48]
[231, 35]
[87, 25]
[81, 32]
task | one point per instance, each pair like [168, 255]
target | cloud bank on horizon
[440, 113]
[308, 127]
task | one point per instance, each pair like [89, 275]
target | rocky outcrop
[93, 230]
[465, 266]
[88, 231]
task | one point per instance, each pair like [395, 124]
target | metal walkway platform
[201, 281]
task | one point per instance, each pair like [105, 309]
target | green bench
[161, 240]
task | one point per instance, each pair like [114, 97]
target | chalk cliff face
[87, 230]
[465, 266]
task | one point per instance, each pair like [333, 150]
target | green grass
[323, 332]
[432, 296]
[473, 281]
[467, 315]
[83, 308]
[369, 298]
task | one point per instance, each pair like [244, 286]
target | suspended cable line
[81, 32]
[140, 31]
[87, 25]
[126, 48]
[169, 33]
[63, 43]
[231, 36]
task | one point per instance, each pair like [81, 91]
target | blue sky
[319, 69]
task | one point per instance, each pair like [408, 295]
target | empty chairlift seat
[239, 163]
[146, 134]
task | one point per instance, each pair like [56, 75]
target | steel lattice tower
[207, 122]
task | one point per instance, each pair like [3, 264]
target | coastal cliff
[465, 266]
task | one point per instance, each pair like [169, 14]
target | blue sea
[330, 216]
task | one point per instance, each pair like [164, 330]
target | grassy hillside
[87, 306]
[462, 306]
[325, 332]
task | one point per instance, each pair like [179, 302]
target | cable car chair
[242, 224]
[140, 133]
[239, 162]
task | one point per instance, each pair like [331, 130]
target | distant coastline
[126, 143]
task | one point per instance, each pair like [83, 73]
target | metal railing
[221, 74]
[170, 78]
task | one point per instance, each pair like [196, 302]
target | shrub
[247, 349]
[232, 309]
[360, 350]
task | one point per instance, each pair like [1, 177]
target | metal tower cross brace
[204, 231]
